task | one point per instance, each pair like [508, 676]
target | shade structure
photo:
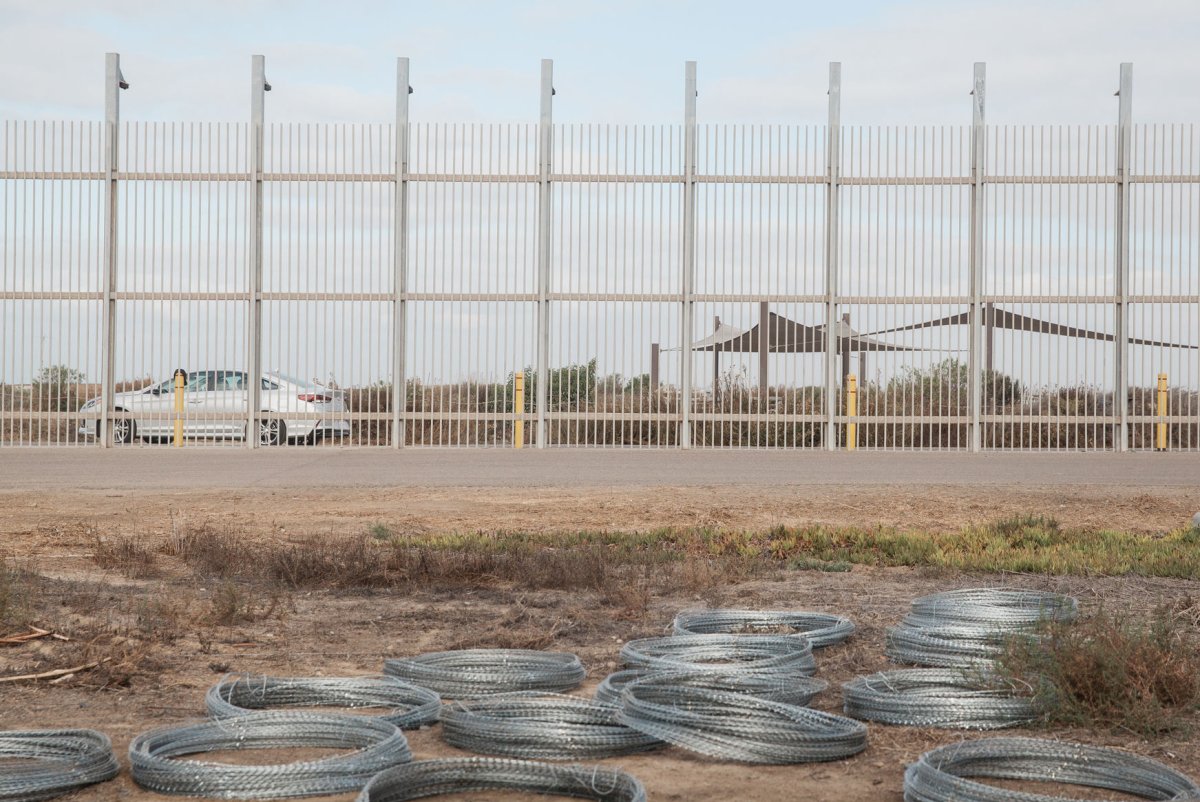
[1003, 319]
[724, 333]
[781, 336]
[785, 336]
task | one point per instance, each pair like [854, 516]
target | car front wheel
[271, 432]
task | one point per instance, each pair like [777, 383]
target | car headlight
[91, 404]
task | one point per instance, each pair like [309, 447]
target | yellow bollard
[851, 411]
[519, 409]
[180, 378]
[1162, 412]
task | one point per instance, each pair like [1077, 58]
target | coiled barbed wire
[941, 775]
[425, 778]
[969, 628]
[726, 654]
[377, 745]
[541, 726]
[794, 690]
[467, 673]
[410, 706]
[736, 726]
[43, 764]
[821, 629]
[1002, 608]
[935, 697]
[946, 647]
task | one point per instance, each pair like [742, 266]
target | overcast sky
[615, 60]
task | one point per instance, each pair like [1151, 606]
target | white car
[224, 392]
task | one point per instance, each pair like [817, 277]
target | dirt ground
[345, 633]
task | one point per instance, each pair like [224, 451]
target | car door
[230, 396]
[151, 408]
[197, 401]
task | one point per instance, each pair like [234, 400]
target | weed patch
[1112, 671]
[129, 555]
[233, 604]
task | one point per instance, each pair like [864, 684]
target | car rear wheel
[123, 430]
[271, 432]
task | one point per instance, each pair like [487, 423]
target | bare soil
[343, 633]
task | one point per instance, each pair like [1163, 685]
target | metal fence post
[975, 260]
[833, 176]
[258, 88]
[400, 259]
[1121, 336]
[114, 82]
[545, 143]
[689, 249]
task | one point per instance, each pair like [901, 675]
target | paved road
[214, 468]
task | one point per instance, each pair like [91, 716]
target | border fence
[973, 287]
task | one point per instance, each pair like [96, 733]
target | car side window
[267, 384]
[231, 380]
[198, 383]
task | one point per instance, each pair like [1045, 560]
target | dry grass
[236, 603]
[132, 556]
[15, 601]
[1113, 671]
[623, 568]
[620, 572]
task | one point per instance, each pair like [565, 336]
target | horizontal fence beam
[634, 417]
[588, 178]
[647, 297]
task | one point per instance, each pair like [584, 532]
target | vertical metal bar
[112, 118]
[654, 357]
[975, 259]
[688, 249]
[844, 346]
[832, 177]
[764, 351]
[545, 142]
[400, 258]
[258, 88]
[716, 365]
[1120, 336]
